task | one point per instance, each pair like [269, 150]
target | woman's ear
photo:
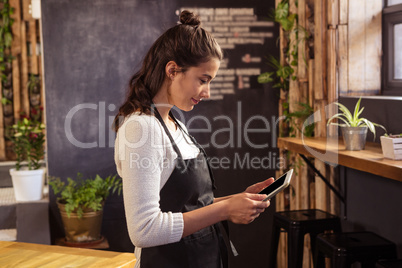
[171, 69]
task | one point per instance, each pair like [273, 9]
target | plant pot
[354, 138]
[84, 229]
[28, 184]
[391, 147]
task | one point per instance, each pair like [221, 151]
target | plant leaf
[265, 78]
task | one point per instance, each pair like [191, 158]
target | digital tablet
[278, 185]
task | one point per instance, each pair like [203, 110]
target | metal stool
[389, 263]
[347, 248]
[297, 223]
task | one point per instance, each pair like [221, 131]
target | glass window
[394, 2]
[398, 51]
[392, 49]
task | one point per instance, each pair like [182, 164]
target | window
[392, 48]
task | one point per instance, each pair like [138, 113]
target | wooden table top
[26, 255]
[369, 160]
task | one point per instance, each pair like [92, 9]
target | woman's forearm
[200, 218]
[218, 199]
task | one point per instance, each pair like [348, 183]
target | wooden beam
[319, 50]
[373, 53]
[356, 45]
[343, 12]
[343, 60]
[33, 58]
[2, 132]
[333, 13]
[24, 69]
[16, 28]
[302, 50]
[16, 89]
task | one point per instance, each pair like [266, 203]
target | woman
[167, 183]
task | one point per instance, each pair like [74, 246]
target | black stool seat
[297, 223]
[389, 264]
[347, 248]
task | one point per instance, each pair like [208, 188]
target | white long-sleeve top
[145, 159]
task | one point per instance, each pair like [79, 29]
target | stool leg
[274, 247]
[339, 262]
[319, 259]
[368, 264]
[313, 237]
[295, 248]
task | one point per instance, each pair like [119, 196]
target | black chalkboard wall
[91, 48]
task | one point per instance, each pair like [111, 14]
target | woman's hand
[244, 208]
[259, 186]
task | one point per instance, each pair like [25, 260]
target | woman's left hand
[259, 186]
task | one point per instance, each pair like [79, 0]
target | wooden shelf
[333, 152]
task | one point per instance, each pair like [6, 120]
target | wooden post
[319, 50]
[343, 59]
[33, 66]
[24, 70]
[2, 132]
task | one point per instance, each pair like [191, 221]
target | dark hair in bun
[189, 18]
[187, 44]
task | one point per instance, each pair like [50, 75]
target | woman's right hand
[243, 208]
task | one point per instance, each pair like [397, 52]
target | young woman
[167, 183]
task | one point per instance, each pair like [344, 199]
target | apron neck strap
[159, 117]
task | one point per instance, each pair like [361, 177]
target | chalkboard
[92, 47]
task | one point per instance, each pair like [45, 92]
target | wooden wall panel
[356, 45]
[372, 67]
[342, 56]
[21, 66]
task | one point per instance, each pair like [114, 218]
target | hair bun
[189, 18]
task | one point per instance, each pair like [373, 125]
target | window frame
[391, 15]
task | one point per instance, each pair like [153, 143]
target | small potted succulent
[392, 146]
[80, 202]
[28, 139]
[354, 128]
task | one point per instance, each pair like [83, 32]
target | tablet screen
[275, 185]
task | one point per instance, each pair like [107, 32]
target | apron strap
[175, 147]
[198, 146]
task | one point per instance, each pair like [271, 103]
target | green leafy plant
[393, 135]
[280, 77]
[353, 120]
[28, 139]
[282, 16]
[81, 193]
[305, 111]
[6, 37]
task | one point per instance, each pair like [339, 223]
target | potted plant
[354, 128]
[80, 203]
[28, 138]
[392, 146]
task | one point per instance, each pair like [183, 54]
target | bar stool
[389, 263]
[347, 248]
[297, 223]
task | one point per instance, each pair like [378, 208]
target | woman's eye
[203, 81]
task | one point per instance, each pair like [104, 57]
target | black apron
[189, 187]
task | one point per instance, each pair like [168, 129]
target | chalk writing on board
[235, 28]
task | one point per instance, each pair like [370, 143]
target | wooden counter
[369, 160]
[25, 255]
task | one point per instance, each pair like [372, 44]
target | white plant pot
[391, 147]
[28, 184]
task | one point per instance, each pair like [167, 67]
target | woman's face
[189, 88]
